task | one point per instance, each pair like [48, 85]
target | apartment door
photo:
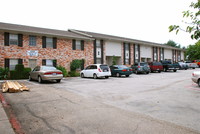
[32, 63]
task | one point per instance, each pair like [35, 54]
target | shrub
[64, 71]
[20, 72]
[74, 74]
[19, 67]
[25, 73]
[75, 64]
[4, 73]
[114, 60]
[14, 74]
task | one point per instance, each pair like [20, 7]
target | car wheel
[40, 79]
[127, 75]
[159, 71]
[29, 78]
[175, 70]
[106, 77]
[118, 75]
[147, 72]
[58, 81]
[94, 76]
[193, 68]
[82, 75]
[198, 83]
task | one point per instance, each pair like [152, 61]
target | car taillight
[131, 69]
[59, 72]
[50, 73]
[138, 66]
[99, 70]
[124, 70]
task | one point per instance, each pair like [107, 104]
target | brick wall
[63, 54]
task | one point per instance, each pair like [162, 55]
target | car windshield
[143, 64]
[44, 68]
[122, 66]
[104, 67]
[157, 63]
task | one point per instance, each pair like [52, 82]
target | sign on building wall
[98, 53]
[136, 55]
[32, 53]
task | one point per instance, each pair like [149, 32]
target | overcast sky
[146, 20]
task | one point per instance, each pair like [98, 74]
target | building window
[98, 52]
[49, 42]
[32, 63]
[13, 63]
[137, 53]
[155, 53]
[32, 40]
[49, 62]
[13, 39]
[78, 44]
[126, 53]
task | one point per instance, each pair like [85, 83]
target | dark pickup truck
[167, 65]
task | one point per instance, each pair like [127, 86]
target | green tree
[193, 52]
[193, 27]
[173, 44]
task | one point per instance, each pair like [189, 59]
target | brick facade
[63, 53]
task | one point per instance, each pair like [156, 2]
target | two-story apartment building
[128, 51]
[33, 46]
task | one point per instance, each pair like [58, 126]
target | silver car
[42, 73]
[196, 77]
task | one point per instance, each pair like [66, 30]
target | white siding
[113, 48]
[145, 51]
[167, 53]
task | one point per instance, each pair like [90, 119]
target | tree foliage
[173, 44]
[193, 52]
[193, 27]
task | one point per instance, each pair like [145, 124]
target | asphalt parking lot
[166, 102]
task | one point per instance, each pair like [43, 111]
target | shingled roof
[39, 31]
[121, 39]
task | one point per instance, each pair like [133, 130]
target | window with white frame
[13, 39]
[13, 63]
[49, 62]
[49, 42]
[78, 45]
[126, 53]
[98, 49]
[32, 40]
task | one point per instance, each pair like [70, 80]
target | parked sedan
[96, 71]
[119, 70]
[155, 66]
[181, 65]
[42, 73]
[196, 77]
[141, 67]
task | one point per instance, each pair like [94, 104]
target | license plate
[53, 73]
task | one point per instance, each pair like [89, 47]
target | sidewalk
[5, 126]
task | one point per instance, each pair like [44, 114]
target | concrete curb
[11, 126]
